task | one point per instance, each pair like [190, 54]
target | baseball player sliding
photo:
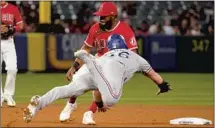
[109, 73]
[11, 22]
[97, 37]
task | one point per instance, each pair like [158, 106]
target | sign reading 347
[201, 45]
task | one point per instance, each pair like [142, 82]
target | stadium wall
[38, 52]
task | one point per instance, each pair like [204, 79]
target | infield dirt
[120, 115]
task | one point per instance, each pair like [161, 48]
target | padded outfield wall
[45, 52]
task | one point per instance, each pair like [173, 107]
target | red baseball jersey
[97, 39]
[10, 15]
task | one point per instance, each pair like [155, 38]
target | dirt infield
[120, 115]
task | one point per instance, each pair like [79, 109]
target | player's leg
[10, 60]
[96, 98]
[111, 94]
[2, 99]
[88, 115]
[84, 75]
[75, 88]
[93, 107]
[109, 82]
[112, 74]
[70, 107]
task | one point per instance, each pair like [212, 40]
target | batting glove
[164, 87]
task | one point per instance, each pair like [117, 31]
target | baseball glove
[10, 31]
[164, 87]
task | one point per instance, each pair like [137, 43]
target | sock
[72, 99]
[93, 107]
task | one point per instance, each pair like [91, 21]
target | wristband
[76, 65]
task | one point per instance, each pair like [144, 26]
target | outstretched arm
[146, 68]
[156, 78]
[77, 63]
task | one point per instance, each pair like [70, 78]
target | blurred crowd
[145, 17]
[30, 13]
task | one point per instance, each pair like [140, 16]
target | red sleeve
[130, 39]
[18, 18]
[90, 37]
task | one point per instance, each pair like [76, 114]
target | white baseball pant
[8, 55]
[109, 82]
[81, 83]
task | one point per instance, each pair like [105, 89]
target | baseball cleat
[31, 110]
[67, 111]
[10, 101]
[27, 115]
[88, 118]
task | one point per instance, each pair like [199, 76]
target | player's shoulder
[95, 26]
[12, 6]
[124, 24]
[125, 27]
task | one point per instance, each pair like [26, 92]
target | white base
[191, 120]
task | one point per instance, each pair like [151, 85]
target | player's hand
[165, 87]
[70, 73]
[4, 28]
[103, 109]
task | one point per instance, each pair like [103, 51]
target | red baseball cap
[106, 9]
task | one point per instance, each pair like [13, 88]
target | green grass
[188, 89]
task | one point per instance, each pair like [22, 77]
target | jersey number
[122, 54]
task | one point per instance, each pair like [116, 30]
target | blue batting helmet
[116, 41]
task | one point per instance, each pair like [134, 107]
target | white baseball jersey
[131, 61]
[107, 74]
[112, 70]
